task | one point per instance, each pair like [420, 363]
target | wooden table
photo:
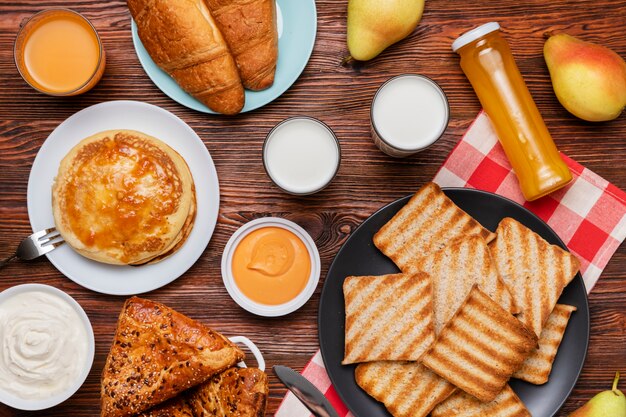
[368, 179]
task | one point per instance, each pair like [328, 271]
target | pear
[589, 79]
[373, 25]
[605, 404]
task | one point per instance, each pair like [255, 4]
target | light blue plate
[297, 26]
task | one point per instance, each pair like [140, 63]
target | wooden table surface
[368, 179]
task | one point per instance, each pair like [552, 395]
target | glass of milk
[408, 114]
[301, 155]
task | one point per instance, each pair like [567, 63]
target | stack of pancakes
[123, 197]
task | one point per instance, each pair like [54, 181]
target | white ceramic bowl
[23, 404]
[264, 309]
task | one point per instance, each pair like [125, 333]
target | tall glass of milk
[408, 114]
[301, 155]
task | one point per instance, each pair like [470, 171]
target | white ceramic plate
[152, 120]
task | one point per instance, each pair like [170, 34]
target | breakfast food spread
[156, 354]
[43, 345]
[388, 317]
[271, 265]
[124, 197]
[182, 38]
[249, 28]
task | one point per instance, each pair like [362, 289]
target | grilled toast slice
[537, 367]
[158, 353]
[388, 317]
[407, 389]
[461, 404]
[535, 271]
[455, 269]
[480, 347]
[427, 223]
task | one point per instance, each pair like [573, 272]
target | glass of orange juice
[58, 52]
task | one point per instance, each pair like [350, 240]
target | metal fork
[35, 245]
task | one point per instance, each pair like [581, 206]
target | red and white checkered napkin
[589, 215]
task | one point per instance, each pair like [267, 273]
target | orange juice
[58, 52]
[488, 63]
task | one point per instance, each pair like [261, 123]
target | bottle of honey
[487, 62]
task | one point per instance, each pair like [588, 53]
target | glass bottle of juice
[487, 62]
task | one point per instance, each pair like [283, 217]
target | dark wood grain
[368, 179]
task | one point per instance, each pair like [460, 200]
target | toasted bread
[461, 404]
[480, 347]
[158, 353]
[388, 317]
[537, 367]
[408, 389]
[427, 223]
[534, 270]
[455, 269]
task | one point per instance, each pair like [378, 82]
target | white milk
[409, 113]
[301, 155]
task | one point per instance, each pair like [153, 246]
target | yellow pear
[605, 404]
[588, 79]
[373, 25]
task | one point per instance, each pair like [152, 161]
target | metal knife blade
[305, 391]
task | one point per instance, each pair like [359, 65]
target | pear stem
[346, 60]
[616, 380]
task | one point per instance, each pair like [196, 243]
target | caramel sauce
[271, 265]
[122, 193]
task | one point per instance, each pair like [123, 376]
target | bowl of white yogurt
[47, 346]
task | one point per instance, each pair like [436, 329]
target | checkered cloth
[589, 215]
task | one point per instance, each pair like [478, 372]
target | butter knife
[305, 391]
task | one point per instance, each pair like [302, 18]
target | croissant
[182, 38]
[249, 27]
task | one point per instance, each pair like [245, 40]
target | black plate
[359, 256]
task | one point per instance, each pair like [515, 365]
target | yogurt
[301, 155]
[44, 345]
[408, 114]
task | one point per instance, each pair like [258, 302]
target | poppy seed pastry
[156, 354]
[123, 197]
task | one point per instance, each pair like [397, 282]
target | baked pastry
[249, 27]
[123, 197]
[156, 354]
[236, 392]
[183, 40]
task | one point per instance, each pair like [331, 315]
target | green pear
[373, 25]
[605, 404]
[589, 79]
